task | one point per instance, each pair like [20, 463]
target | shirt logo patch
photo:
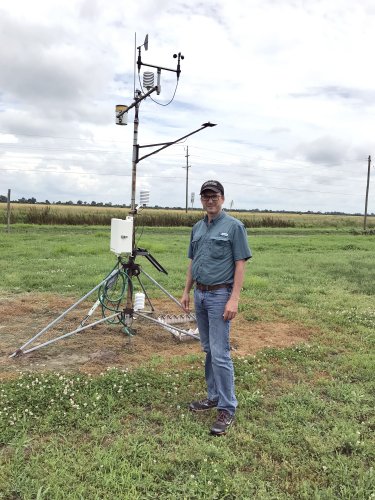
[223, 234]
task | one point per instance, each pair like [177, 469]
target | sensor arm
[158, 67]
[167, 144]
[136, 101]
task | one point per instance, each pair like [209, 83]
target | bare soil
[105, 345]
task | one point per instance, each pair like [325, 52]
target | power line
[288, 189]
[278, 161]
[56, 137]
[287, 163]
[175, 177]
[46, 148]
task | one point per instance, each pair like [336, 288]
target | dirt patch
[105, 345]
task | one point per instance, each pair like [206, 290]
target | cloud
[283, 80]
[364, 97]
[324, 150]
[46, 68]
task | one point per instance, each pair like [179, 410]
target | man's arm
[231, 307]
[185, 301]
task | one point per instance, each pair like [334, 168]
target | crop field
[103, 415]
[97, 215]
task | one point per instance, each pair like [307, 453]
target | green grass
[305, 423]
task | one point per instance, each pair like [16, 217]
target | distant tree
[3, 199]
[47, 202]
[79, 202]
[93, 203]
[69, 202]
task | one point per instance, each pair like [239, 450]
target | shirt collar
[215, 219]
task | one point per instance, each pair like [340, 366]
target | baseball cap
[214, 186]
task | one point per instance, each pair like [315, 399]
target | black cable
[153, 100]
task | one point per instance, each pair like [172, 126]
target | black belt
[210, 288]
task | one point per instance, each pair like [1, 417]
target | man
[218, 253]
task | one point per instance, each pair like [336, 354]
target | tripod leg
[50, 325]
[80, 329]
[161, 288]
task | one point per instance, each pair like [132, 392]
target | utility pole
[187, 178]
[367, 190]
[8, 212]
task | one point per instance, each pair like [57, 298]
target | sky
[289, 83]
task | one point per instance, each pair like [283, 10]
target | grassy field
[91, 215]
[305, 424]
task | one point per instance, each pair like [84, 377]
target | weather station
[122, 294]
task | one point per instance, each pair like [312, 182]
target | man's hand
[231, 309]
[185, 302]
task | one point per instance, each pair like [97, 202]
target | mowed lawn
[305, 423]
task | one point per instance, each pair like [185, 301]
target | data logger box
[121, 235]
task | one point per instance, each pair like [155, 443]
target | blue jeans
[214, 337]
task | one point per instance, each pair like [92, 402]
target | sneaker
[223, 422]
[203, 405]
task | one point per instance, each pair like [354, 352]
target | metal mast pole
[133, 210]
[367, 190]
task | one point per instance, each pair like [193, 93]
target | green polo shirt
[214, 248]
